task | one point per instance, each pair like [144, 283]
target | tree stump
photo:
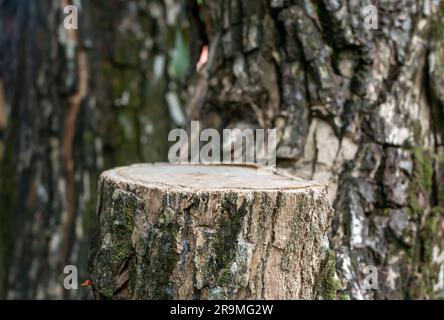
[208, 232]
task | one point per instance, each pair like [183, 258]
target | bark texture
[73, 103]
[359, 108]
[209, 232]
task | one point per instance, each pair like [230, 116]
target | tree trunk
[358, 108]
[74, 102]
[361, 109]
[209, 232]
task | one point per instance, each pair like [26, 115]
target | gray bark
[360, 109]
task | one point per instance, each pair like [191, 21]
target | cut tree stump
[208, 232]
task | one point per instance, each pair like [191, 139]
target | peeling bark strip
[208, 232]
[74, 107]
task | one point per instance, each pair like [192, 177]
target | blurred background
[72, 104]
[360, 109]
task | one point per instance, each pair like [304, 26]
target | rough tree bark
[73, 103]
[209, 232]
[361, 109]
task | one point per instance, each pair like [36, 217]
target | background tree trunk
[73, 103]
[361, 109]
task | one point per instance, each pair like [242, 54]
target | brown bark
[73, 103]
[209, 232]
[361, 109]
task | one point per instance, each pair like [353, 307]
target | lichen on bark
[361, 109]
[160, 241]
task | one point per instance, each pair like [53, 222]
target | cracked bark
[360, 109]
[209, 232]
